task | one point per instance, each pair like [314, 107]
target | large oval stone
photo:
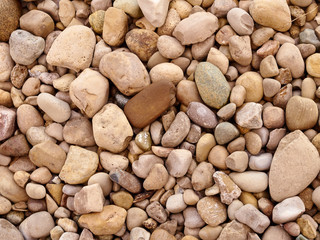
[212, 85]
[295, 164]
[76, 56]
[212, 211]
[148, 104]
[9, 231]
[10, 12]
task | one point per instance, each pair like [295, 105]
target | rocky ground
[159, 119]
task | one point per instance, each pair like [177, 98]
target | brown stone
[212, 211]
[126, 180]
[148, 105]
[10, 12]
[15, 146]
[7, 122]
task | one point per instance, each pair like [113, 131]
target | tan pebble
[190, 197]
[7, 62]
[21, 178]
[154, 12]
[41, 175]
[311, 11]
[169, 47]
[217, 156]
[208, 232]
[166, 71]
[269, 67]
[262, 35]
[161, 234]
[252, 82]
[240, 21]
[240, 49]
[236, 145]
[306, 226]
[103, 180]
[172, 19]
[292, 228]
[238, 95]
[220, 8]
[28, 116]
[273, 117]
[236, 229]
[276, 231]
[89, 199]
[223, 35]
[183, 8]
[204, 146]
[306, 50]
[200, 50]
[237, 161]
[218, 59]
[249, 116]
[212, 211]
[233, 207]
[271, 87]
[156, 59]
[251, 181]
[202, 176]
[157, 178]
[175, 203]
[66, 12]
[35, 191]
[268, 48]
[5, 205]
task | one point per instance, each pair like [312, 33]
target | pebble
[285, 168]
[309, 36]
[187, 92]
[253, 84]
[113, 65]
[157, 178]
[89, 92]
[252, 217]
[62, 55]
[178, 162]
[262, 35]
[28, 116]
[7, 122]
[161, 234]
[79, 166]
[220, 8]
[202, 176]
[109, 221]
[240, 21]
[308, 229]
[288, 210]
[234, 229]
[175, 203]
[238, 95]
[276, 232]
[227, 111]
[89, 199]
[233, 207]
[250, 181]
[156, 211]
[139, 233]
[225, 132]
[9, 231]
[25, 47]
[154, 12]
[218, 59]
[5, 206]
[240, 49]
[169, 47]
[269, 67]
[260, 162]
[66, 12]
[96, 21]
[166, 72]
[6, 63]
[237, 161]
[192, 29]
[212, 211]
[192, 218]
[126, 180]
[122, 199]
[204, 145]
[312, 65]
[280, 10]
[37, 225]
[296, 111]
[202, 115]
[35, 191]
[271, 87]
[143, 165]
[10, 14]
[208, 232]
[249, 116]
[113, 137]
[15, 146]
[69, 236]
[212, 85]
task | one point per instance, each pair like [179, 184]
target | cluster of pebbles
[159, 119]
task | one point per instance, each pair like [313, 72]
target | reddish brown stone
[7, 122]
[148, 104]
[15, 146]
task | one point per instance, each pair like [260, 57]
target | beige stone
[202, 176]
[27, 117]
[240, 49]
[5, 206]
[89, 199]
[250, 181]
[170, 47]
[312, 65]
[157, 178]
[154, 11]
[6, 62]
[218, 59]
[66, 12]
[212, 211]
[166, 71]
[240, 21]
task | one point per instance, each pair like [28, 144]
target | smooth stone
[111, 129]
[260, 162]
[196, 28]
[109, 221]
[7, 63]
[89, 92]
[212, 211]
[234, 230]
[240, 49]
[252, 217]
[62, 55]
[35, 191]
[154, 11]
[253, 84]
[126, 71]
[225, 132]
[103, 180]
[127, 180]
[250, 181]
[271, 87]
[36, 135]
[261, 10]
[178, 162]
[309, 36]
[25, 47]
[240, 21]
[79, 166]
[161, 234]
[9, 231]
[7, 122]
[10, 14]
[249, 116]
[122, 199]
[177, 131]
[212, 85]
[220, 8]
[202, 115]
[139, 233]
[167, 72]
[96, 20]
[27, 117]
[143, 140]
[288, 210]
[147, 105]
[89, 199]
[143, 165]
[294, 150]
[130, 7]
[157, 178]
[5, 206]
[301, 113]
[15, 146]
[175, 203]
[227, 111]
[169, 47]
[202, 176]
[276, 232]
[312, 65]
[110, 161]
[56, 109]
[8, 187]
[48, 154]
[156, 211]
[237, 161]
[192, 218]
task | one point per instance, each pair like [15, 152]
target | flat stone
[202, 115]
[288, 210]
[15, 146]
[48, 154]
[62, 54]
[196, 28]
[212, 85]
[109, 221]
[126, 180]
[147, 105]
[225, 132]
[249, 116]
[9, 231]
[89, 199]
[126, 71]
[252, 217]
[80, 165]
[250, 181]
[295, 158]
[234, 230]
[212, 211]
[7, 122]
[111, 129]
[178, 162]
[154, 11]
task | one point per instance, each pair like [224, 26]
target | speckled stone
[10, 13]
[309, 36]
[212, 85]
[225, 132]
[212, 211]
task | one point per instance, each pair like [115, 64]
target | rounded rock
[10, 12]
[170, 47]
[240, 21]
[167, 72]
[225, 132]
[251, 181]
[212, 211]
[312, 65]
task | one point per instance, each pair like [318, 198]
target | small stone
[225, 132]
[169, 47]
[6, 63]
[202, 115]
[62, 55]
[175, 203]
[251, 181]
[292, 228]
[24, 42]
[218, 59]
[252, 217]
[96, 21]
[7, 122]
[157, 178]
[240, 49]
[130, 7]
[5, 206]
[113, 137]
[178, 162]
[48, 154]
[166, 72]
[126, 180]
[89, 199]
[9, 231]
[260, 162]
[212, 211]
[204, 146]
[187, 92]
[154, 12]
[253, 84]
[269, 67]
[237, 161]
[143, 165]
[192, 29]
[293, 150]
[56, 109]
[280, 11]
[234, 230]
[240, 21]
[309, 36]
[139, 233]
[306, 227]
[192, 218]
[69, 236]
[249, 116]
[161, 234]
[109, 221]
[116, 65]
[312, 63]
[156, 211]
[202, 176]
[212, 85]
[122, 199]
[143, 140]
[35, 191]
[80, 165]
[227, 111]
[276, 232]
[66, 12]
[89, 92]
[10, 14]
[15, 146]
[288, 210]
[271, 87]
[28, 116]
